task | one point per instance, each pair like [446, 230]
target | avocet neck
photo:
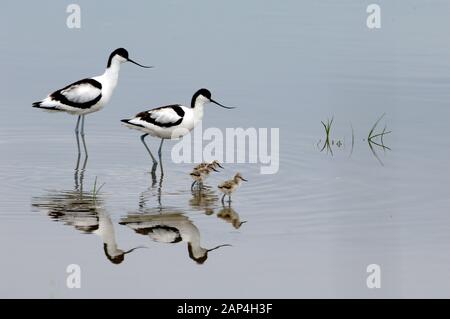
[194, 242]
[111, 74]
[198, 106]
[109, 80]
[106, 232]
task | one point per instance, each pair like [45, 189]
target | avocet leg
[160, 157]
[82, 136]
[148, 150]
[78, 139]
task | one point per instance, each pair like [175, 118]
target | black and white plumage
[80, 98]
[171, 121]
[163, 117]
[88, 95]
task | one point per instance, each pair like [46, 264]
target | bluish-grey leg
[160, 157]
[148, 150]
[82, 135]
[78, 139]
[79, 152]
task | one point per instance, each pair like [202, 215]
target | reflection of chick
[229, 215]
[200, 174]
[228, 187]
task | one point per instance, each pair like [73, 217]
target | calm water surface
[308, 231]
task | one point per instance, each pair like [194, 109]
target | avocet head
[203, 96]
[121, 55]
[119, 255]
[200, 255]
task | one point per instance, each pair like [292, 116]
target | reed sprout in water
[329, 142]
[375, 138]
[327, 128]
[372, 136]
[96, 190]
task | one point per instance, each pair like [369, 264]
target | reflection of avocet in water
[169, 225]
[170, 228]
[85, 212]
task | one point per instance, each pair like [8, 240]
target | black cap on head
[199, 260]
[121, 52]
[114, 259]
[205, 92]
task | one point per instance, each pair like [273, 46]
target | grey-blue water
[310, 230]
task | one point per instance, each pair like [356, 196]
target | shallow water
[308, 231]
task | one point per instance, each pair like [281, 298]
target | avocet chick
[197, 177]
[200, 174]
[213, 164]
[228, 187]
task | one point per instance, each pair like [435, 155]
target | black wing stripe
[146, 116]
[62, 99]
